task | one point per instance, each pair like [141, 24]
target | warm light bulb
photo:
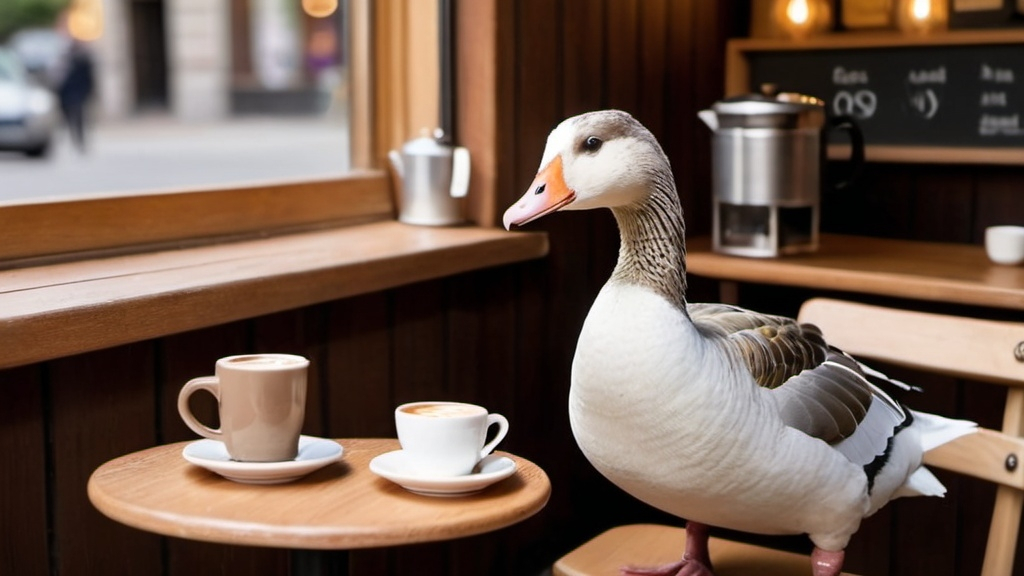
[797, 12]
[802, 18]
[320, 8]
[922, 9]
[922, 16]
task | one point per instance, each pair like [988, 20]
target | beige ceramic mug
[261, 399]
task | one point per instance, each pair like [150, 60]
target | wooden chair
[975, 349]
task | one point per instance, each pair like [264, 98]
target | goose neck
[652, 250]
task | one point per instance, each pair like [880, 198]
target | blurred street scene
[175, 95]
[161, 153]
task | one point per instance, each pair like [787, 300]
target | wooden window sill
[62, 309]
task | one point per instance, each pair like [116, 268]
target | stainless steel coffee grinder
[768, 154]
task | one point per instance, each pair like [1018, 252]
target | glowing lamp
[802, 18]
[922, 16]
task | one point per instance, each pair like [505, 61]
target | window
[393, 54]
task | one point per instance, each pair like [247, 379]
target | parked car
[28, 111]
[41, 50]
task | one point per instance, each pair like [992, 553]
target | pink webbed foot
[681, 568]
[696, 559]
[827, 562]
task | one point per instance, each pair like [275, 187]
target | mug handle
[212, 385]
[502, 423]
[460, 173]
[848, 124]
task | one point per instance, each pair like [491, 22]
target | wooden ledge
[63, 309]
[933, 271]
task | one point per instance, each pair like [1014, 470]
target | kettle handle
[460, 172]
[856, 160]
[396, 162]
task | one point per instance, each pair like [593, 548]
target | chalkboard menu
[918, 95]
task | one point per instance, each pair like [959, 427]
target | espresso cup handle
[502, 423]
[212, 385]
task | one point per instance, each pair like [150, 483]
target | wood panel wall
[502, 337]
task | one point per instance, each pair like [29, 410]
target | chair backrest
[981, 350]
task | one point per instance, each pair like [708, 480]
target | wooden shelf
[933, 271]
[68, 308]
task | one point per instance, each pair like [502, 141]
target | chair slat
[982, 455]
[959, 346]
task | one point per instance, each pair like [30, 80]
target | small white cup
[1005, 244]
[446, 438]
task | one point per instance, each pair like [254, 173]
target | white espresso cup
[261, 400]
[446, 438]
[1005, 244]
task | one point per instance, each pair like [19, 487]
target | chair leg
[1003, 532]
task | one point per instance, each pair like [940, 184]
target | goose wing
[818, 389]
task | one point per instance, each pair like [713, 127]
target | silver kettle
[434, 180]
[768, 156]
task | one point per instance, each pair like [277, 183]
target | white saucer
[490, 470]
[314, 453]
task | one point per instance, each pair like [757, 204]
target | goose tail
[937, 430]
[934, 431]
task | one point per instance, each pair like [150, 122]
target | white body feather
[673, 420]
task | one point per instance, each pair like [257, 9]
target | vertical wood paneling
[583, 56]
[653, 65]
[358, 396]
[358, 365]
[103, 406]
[684, 134]
[943, 205]
[23, 541]
[999, 197]
[418, 332]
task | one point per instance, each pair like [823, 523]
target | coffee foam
[260, 361]
[443, 410]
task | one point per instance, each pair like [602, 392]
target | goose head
[603, 159]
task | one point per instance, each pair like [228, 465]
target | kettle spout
[396, 162]
[709, 117]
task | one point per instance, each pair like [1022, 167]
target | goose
[719, 415]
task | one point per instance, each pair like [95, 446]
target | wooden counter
[934, 271]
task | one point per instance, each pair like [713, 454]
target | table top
[341, 506]
[934, 271]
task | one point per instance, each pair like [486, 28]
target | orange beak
[547, 194]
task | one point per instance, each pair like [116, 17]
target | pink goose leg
[696, 560]
[827, 562]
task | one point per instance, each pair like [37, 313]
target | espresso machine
[768, 153]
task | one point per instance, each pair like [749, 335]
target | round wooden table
[340, 506]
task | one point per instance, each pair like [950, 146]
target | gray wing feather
[819, 390]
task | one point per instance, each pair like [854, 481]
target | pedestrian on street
[75, 90]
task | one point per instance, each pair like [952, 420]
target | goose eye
[592, 144]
